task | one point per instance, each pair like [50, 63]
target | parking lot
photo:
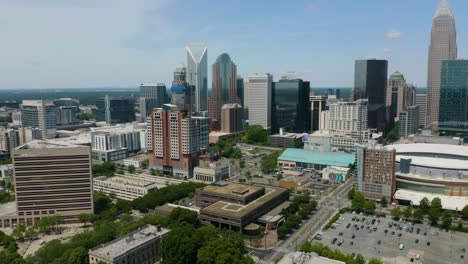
[387, 239]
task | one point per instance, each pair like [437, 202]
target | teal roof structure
[337, 159]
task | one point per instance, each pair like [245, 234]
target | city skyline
[147, 44]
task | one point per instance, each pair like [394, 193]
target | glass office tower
[197, 74]
[453, 115]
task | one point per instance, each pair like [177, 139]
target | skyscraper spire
[444, 9]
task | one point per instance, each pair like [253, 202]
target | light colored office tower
[175, 141]
[443, 46]
[27, 134]
[53, 178]
[318, 103]
[395, 99]
[16, 118]
[348, 119]
[40, 114]
[115, 143]
[409, 122]
[9, 139]
[224, 89]
[260, 89]
[375, 171]
[231, 118]
[140, 246]
[66, 115]
[197, 74]
[421, 102]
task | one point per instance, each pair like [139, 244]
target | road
[328, 206]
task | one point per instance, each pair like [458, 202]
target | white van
[402, 246]
[418, 256]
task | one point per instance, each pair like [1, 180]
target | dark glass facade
[240, 90]
[453, 115]
[291, 106]
[370, 82]
[115, 110]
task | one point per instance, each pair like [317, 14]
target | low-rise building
[136, 161]
[305, 159]
[115, 142]
[284, 140]
[211, 172]
[140, 246]
[6, 170]
[237, 205]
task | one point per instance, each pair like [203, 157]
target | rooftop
[237, 210]
[233, 189]
[8, 209]
[118, 129]
[130, 181]
[41, 144]
[120, 246]
[448, 202]
[454, 150]
[441, 163]
[337, 159]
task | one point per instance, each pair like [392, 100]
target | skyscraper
[370, 82]
[443, 46]
[224, 89]
[115, 109]
[40, 114]
[420, 100]
[151, 96]
[180, 76]
[395, 100]
[409, 121]
[197, 74]
[231, 118]
[240, 90]
[260, 89]
[291, 105]
[453, 116]
[318, 104]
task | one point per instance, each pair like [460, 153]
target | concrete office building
[40, 114]
[27, 134]
[290, 105]
[211, 172]
[396, 95]
[9, 139]
[375, 171]
[443, 46]
[260, 97]
[115, 143]
[246, 98]
[140, 246]
[52, 178]
[318, 104]
[66, 115]
[197, 74]
[126, 187]
[115, 110]
[224, 89]
[421, 102]
[370, 82]
[16, 118]
[409, 122]
[231, 118]
[453, 116]
[174, 141]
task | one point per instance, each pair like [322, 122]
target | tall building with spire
[224, 88]
[197, 74]
[443, 47]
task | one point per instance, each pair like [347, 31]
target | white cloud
[393, 34]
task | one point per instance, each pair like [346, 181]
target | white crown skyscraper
[443, 47]
[197, 75]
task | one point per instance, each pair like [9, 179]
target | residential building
[66, 115]
[370, 82]
[231, 118]
[237, 205]
[140, 246]
[421, 102]
[443, 46]
[174, 141]
[409, 122]
[318, 104]
[40, 114]
[260, 98]
[210, 172]
[115, 109]
[9, 139]
[224, 89]
[291, 105]
[349, 119]
[197, 74]
[375, 171]
[115, 143]
[453, 116]
[52, 179]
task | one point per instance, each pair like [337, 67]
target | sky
[122, 43]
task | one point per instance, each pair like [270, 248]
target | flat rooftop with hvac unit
[237, 205]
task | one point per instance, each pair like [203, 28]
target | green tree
[84, 218]
[360, 259]
[131, 169]
[105, 169]
[180, 216]
[374, 261]
[396, 212]
[242, 163]
[358, 203]
[222, 250]
[418, 215]
[180, 246]
[153, 172]
[434, 215]
[351, 193]
[269, 162]
[407, 212]
[384, 202]
[369, 207]
[447, 220]
[255, 134]
[19, 231]
[436, 204]
[424, 205]
[101, 202]
[464, 212]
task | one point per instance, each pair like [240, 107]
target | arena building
[432, 170]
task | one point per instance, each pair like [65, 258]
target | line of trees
[299, 209]
[325, 251]
[8, 250]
